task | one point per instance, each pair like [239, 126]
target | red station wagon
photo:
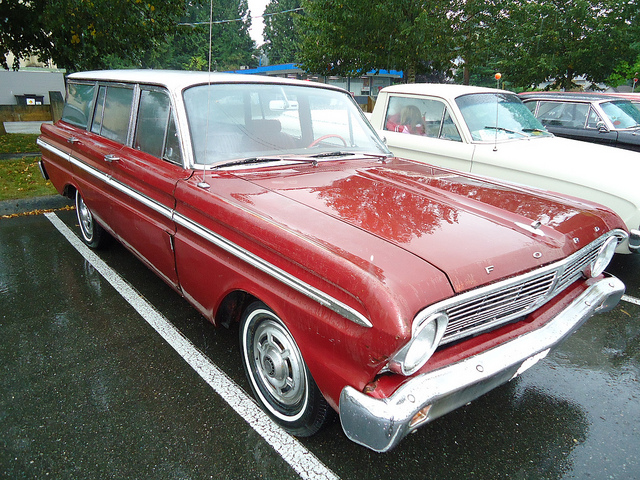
[385, 289]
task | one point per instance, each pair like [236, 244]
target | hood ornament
[534, 227]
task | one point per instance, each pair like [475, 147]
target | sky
[257, 9]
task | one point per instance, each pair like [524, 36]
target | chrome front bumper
[381, 424]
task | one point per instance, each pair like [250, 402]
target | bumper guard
[634, 240]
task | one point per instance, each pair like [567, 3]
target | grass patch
[22, 179]
[18, 143]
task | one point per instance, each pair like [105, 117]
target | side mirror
[602, 128]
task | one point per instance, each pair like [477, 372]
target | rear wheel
[279, 378]
[93, 235]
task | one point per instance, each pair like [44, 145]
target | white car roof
[439, 89]
[180, 79]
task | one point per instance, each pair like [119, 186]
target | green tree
[545, 40]
[281, 37]
[626, 74]
[82, 34]
[347, 37]
[628, 69]
[19, 33]
[231, 44]
[95, 34]
[475, 36]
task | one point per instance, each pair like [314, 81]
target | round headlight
[425, 338]
[605, 255]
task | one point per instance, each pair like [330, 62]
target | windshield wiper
[252, 160]
[502, 129]
[332, 154]
[247, 161]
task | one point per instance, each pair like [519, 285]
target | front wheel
[279, 378]
[93, 235]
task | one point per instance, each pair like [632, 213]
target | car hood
[474, 230]
[586, 170]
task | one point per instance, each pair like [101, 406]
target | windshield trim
[230, 122]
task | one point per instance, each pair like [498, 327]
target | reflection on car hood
[473, 230]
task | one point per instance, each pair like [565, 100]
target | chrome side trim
[380, 424]
[252, 259]
[273, 271]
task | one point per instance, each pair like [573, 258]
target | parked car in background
[590, 117]
[388, 290]
[490, 132]
[633, 97]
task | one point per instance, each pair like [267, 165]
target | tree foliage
[18, 34]
[231, 44]
[347, 37]
[94, 34]
[81, 34]
[556, 40]
[281, 37]
[529, 41]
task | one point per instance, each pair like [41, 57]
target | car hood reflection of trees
[429, 212]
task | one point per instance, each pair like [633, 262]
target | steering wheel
[324, 137]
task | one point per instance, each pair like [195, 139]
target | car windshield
[623, 114]
[230, 123]
[498, 116]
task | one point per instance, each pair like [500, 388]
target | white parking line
[629, 299]
[305, 463]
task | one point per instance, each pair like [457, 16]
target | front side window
[113, 112]
[239, 121]
[566, 114]
[155, 131]
[419, 116]
[594, 120]
[79, 104]
[498, 116]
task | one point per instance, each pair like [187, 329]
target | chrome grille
[488, 307]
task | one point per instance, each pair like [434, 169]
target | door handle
[73, 140]
[111, 158]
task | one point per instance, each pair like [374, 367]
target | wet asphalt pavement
[89, 390]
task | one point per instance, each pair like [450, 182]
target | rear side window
[156, 132]
[77, 109]
[113, 112]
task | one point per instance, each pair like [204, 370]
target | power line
[217, 22]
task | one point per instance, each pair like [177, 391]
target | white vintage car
[490, 132]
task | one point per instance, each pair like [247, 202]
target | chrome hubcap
[279, 363]
[85, 218]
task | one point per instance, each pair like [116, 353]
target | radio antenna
[498, 76]
[203, 183]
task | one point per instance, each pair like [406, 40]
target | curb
[18, 156]
[24, 205]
